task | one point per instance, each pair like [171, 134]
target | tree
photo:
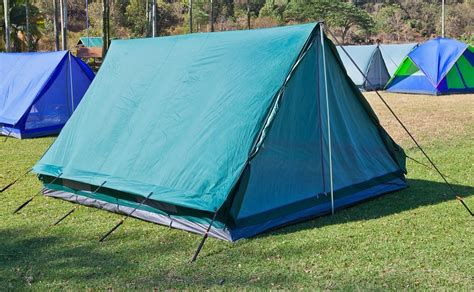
[346, 15]
[18, 24]
[390, 21]
[337, 14]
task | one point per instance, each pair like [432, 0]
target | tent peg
[14, 182]
[203, 240]
[64, 217]
[124, 218]
[460, 199]
[76, 207]
[31, 199]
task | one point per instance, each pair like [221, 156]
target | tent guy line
[38, 193]
[125, 218]
[408, 132]
[6, 187]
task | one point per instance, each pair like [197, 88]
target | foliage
[18, 31]
[351, 20]
[340, 15]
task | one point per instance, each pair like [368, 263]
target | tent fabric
[229, 122]
[39, 91]
[91, 42]
[438, 66]
[369, 60]
[394, 54]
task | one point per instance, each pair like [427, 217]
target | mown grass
[418, 238]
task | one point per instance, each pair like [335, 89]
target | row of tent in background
[438, 66]
[39, 91]
[231, 142]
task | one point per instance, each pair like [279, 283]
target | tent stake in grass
[405, 128]
[203, 240]
[75, 208]
[15, 181]
[8, 135]
[39, 192]
[124, 218]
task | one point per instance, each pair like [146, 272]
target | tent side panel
[377, 74]
[125, 203]
[51, 110]
[82, 77]
[361, 55]
[409, 79]
[288, 178]
[394, 54]
[289, 162]
[58, 100]
[466, 68]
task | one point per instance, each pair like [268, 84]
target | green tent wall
[229, 123]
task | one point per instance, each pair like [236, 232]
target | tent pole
[15, 181]
[211, 18]
[331, 183]
[63, 8]
[39, 192]
[87, 23]
[6, 10]
[248, 14]
[55, 25]
[125, 218]
[153, 18]
[190, 16]
[70, 83]
[405, 129]
[27, 20]
[442, 18]
[75, 208]
[8, 135]
[203, 240]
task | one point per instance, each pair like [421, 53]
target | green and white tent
[177, 130]
[91, 42]
[438, 66]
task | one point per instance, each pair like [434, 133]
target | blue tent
[438, 66]
[40, 91]
[368, 59]
[394, 54]
[231, 126]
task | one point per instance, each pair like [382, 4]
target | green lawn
[417, 238]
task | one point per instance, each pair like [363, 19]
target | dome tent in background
[230, 124]
[438, 66]
[40, 91]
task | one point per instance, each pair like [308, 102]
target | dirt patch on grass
[429, 118]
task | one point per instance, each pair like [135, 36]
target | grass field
[419, 238]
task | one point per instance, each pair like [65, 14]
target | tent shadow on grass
[419, 193]
[26, 256]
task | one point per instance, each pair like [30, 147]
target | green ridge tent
[91, 42]
[177, 130]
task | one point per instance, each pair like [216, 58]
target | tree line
[33, 24]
